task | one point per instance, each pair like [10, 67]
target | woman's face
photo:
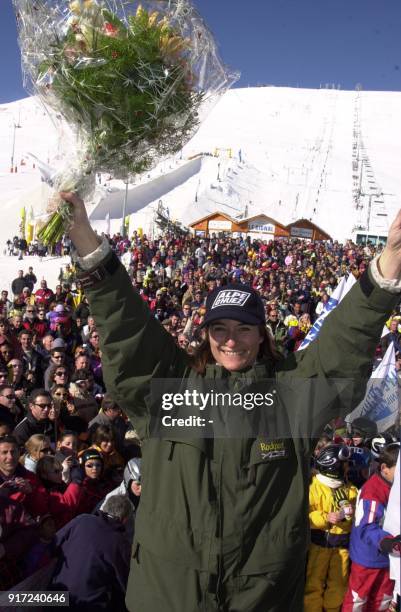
[60, 376]
[234, 345]
[69, 445]
[93, 469]
[107, 446]
[43, 449]
[60, 394]
[54, 412]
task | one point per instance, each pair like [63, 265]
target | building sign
[259, 226]
[301, 232]
[220, 226]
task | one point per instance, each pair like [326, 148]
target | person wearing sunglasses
[37, 420]
[95, 486]
[35, 321]
[36, 446]
[57, 375]
[8, 410]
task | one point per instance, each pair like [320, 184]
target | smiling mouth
[232, 353]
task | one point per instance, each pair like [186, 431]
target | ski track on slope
[297, 149]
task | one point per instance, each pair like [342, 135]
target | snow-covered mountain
[327, 155]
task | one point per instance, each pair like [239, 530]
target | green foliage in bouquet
[128, 87]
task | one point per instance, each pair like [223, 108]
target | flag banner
[340, 291]
[380, 403]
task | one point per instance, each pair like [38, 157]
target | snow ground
[304, 153]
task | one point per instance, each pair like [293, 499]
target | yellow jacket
[324, 499]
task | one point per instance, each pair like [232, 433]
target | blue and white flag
[380, 403]
[340, 291]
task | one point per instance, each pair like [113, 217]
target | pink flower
[110, 29]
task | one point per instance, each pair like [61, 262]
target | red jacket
[18, 530]
[33, 502]
[62, 504]
[93, 491]
[40, 327]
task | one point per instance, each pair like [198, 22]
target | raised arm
[135, 347]
[346, 345]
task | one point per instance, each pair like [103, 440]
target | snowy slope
[298, 149]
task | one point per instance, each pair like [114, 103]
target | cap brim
[222, 313]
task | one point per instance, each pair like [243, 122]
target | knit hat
[235, 301]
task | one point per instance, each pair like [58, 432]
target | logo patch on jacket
[231, 297]
[273, 449]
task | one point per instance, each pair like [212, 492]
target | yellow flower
[75, 7]
[140, 11]
[164, 24]
[152, 18]
[88, 4]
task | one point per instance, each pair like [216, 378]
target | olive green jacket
[211, 504]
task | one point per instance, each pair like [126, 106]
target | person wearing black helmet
[331, 507]
[223, 521]
[361, 429]
[94, 485]
[360, 462]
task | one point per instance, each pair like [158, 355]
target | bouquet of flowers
[129, 79]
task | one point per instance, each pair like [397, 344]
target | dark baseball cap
[235, 301]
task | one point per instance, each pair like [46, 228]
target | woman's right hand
[81, 233]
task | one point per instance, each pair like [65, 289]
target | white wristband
[390, 285]
[96, 257]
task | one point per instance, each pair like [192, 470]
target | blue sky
[297, 43]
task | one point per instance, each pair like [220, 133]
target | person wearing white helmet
[130, 486]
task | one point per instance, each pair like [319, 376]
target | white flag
[340, 291]
[380, 403]
[107, 219]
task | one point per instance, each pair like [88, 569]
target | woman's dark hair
[103, 433]
[66, 434]
[52, 371]
[45, 464]
[389, 455]
[202, 354]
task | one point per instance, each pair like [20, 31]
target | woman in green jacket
[223, 521]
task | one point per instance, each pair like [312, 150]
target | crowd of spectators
[65, 444]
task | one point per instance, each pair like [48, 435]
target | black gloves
[391, 544]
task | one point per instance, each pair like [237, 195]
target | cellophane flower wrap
[130, 80]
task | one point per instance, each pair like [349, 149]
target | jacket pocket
[267, 455]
